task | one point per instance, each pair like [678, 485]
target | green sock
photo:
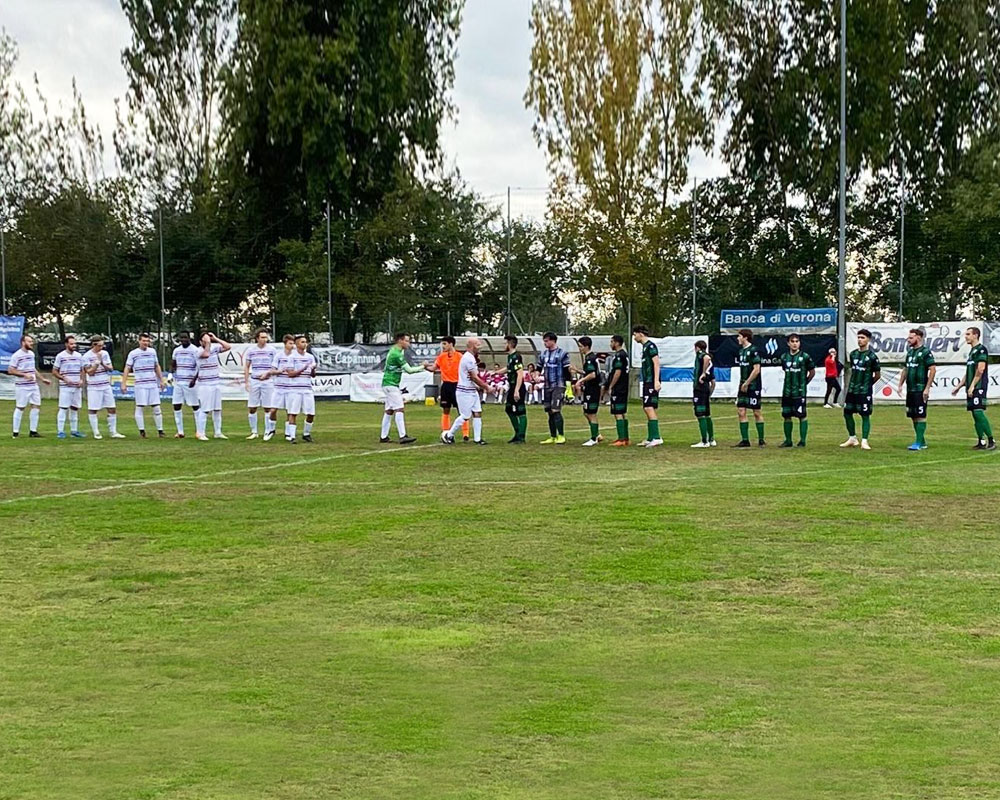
[625, 428]
[703, 428]
[852, 429]
[711, 429]
[760, 431]
[745, 431]
[513, 421]
[654, 429]
[987, 428]
[522, 425]
[978, 425]
[595, 430]
[866, 427]
[921, 432]
[803, 430]
[788, 431]
[620, 428]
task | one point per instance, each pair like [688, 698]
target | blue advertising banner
[11, 331]
[779, 320]
[686, 375]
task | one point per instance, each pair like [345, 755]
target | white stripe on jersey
[143, 364]
[102, 377]
[69, 364]
[24, 360]
[208, 367]
[261, 360]
[466, 367]
[186, 359]
[283, 362]
[303, 361]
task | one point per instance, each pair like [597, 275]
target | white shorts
[278, 398]
[261, 394]
[147, 395]
[468, 403]
[27, 396]
[99, 397]
[393, 398]
[185, 393]
[300, 403]
[70, 397]
[210, 396]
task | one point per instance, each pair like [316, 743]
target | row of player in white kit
[275, 380]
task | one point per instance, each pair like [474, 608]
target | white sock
[307, 428]
[291, 431]
[140, 418]
[401, 424]
[112, 423]
[386, 425]
[74, 420]
[61, 420]
[200, 420]
[477, 428]
[269, 424]
[456, 425]
[158, 418]
[288, 429]
[217, 421]
[179, 421]
[93, 423]
[252, 419]
[18, 413]
[33, 419]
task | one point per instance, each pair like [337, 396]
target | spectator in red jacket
[833, 371]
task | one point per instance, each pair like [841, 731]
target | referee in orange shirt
[447, 364]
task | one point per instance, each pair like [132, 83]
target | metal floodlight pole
[3, 274]
[329, 278]
[507, 325]
[694, 247]
[842, 277]
[163, 291]
[902, 233]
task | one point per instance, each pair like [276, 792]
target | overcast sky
[490, 142]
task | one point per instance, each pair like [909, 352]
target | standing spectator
[834, 369]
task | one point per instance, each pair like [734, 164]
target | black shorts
[447, 396]
[702, 401]
[916, 406]
[553, 398]
[650, 396]
[749, 399]
[977, 402]
[515, 403]
[793, 407]
[858, 404]
[619, 404]
[591, 403]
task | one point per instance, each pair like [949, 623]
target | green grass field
[347, 619]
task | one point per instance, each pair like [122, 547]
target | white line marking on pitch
[206, 475]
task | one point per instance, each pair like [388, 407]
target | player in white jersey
[258, 361]
[26, 391]
[184, 366]
[97, 365]
[467, 392]
[282, 384]
[68, 370]
[209, 383]
[299, 398]
[149, 380]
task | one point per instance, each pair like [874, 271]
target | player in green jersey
[395, 365]
[649, 373]
[917, 375]
[590, 384]
[799, 371]
[865, 373]
[976, 381]
[516, 396]
[703, 375]
[748, 397]
[617, 389]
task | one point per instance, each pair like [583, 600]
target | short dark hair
[746, 333]
[918, 331]
[618, 338]
[302, 336]
[68, 337]
[288, 338]
[794, 336]
[448, 339]
[511, 339]
[96, 338]
[259, 331]
[701, 344]
[586, 341]
[549, 336]
[400, 336]
[640, 329]
[184, 333]
[145, 335]
[865, 332]
[976, 331]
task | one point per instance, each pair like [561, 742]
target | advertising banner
[725, 348]
[6, 386]
[11, 331]
[336, 359]
[366, 387]
[779, 320]
[947, 378]
[675, 351]
[946, 340]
